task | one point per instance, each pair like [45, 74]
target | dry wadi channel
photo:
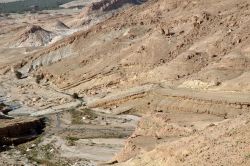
[65, 127]
[126, 82]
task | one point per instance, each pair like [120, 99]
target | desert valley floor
[126, 83]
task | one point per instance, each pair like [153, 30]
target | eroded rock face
[106, 5]
[33, 36]
[60, 25]
[20, 130]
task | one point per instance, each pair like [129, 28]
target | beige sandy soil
[160, 83]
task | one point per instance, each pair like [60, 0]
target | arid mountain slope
[98, 11]
[173, 41]
[226, 143]
[182, 65]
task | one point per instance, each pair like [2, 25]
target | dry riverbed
[73, 133]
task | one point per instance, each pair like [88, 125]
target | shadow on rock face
[18, 131]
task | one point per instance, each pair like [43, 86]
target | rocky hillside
[33, 36]
[219, 144]
[182, 65]
[193, 44]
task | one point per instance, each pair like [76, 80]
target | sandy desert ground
[126, 83]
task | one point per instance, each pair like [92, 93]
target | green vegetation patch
[30, 5]
[72, 140]
[247, 156]
[77, 115]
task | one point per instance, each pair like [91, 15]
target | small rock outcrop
[33, 36]
[20, 130]
[105, 6]
[59, 25]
